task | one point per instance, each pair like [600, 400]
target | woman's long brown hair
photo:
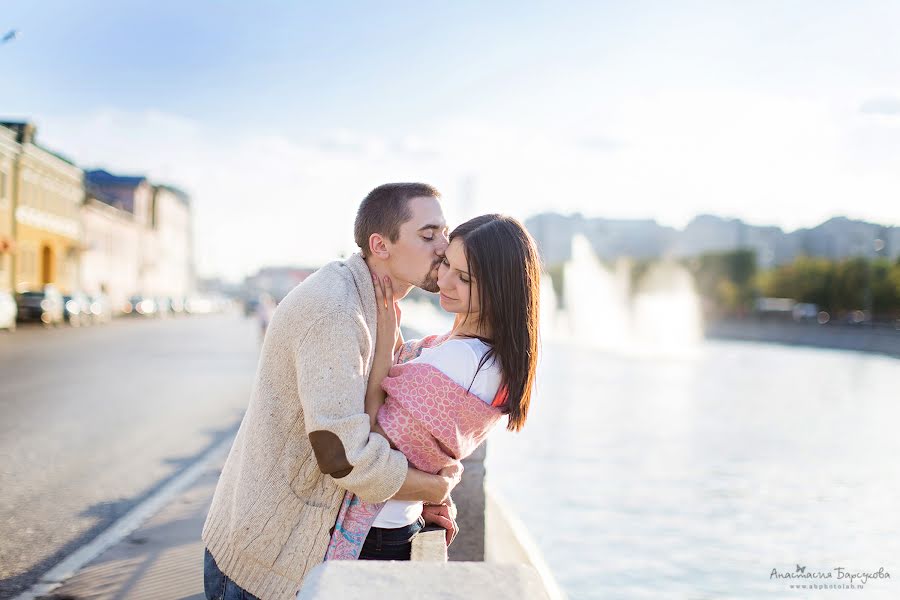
[503, 259]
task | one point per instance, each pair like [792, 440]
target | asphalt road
[92, 420]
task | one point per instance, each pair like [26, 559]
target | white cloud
[261, 198]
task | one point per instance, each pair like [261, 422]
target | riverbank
[879, 339]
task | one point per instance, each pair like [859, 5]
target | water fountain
[666, 310]
[599, 308]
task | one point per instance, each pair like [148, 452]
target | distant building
[47, 192]
[172, 238]
[276, 281]
[617, 238]
[9, 152]
[134, 195]
[709, 233]
[610, 238]
[773, 247]
[217, 286]
[836, 239]
[892, 243]
[131, 193]
[161, 215]
[553, 234]
[112, 249]
[841, 237]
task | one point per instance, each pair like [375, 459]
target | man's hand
[452, 476]
[434, 489]
[442, 515]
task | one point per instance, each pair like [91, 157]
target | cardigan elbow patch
[330, 454]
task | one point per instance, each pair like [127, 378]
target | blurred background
[713, 188]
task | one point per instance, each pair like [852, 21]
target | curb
[126, 524]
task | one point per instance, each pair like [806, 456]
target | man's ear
[378, 247]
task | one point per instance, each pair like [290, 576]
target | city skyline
[837, 238]
[278, 120]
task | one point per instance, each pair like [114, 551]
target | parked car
[140, 306]
[8, 311]
[77, 310]
[101, 309]
[178, 305]
[163, 306]
[804, 311]
[45, 306]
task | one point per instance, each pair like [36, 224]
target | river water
[697, 476]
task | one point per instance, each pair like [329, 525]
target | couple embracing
[353, 437]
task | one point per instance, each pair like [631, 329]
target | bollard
[430, 545]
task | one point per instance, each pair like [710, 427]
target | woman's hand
[450, 476]
[442, 515]
[386, 333]
[388, 329]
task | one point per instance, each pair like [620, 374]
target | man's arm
[331, 384]
[429, 488]
[330, 369]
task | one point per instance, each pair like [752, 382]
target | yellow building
[47, 194]
[9, 151]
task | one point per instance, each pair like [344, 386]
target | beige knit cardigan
[273, 507]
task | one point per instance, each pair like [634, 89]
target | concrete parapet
[878, 339]
[507, 541]
[469, 499]
[376, 580]
[488, 529]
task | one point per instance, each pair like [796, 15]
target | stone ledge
[376, 580]
[430, 545]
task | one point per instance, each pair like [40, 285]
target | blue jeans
[217, 585]
[391, 544]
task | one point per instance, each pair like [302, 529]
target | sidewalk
[162, 559]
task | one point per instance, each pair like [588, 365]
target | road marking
[125, 524]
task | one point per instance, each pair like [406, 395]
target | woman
[446, 392]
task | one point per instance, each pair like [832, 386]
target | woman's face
[455, 283]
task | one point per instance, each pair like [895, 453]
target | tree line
[730, 283]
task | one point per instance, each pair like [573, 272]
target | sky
[278, 117]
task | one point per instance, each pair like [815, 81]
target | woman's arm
[386, 340]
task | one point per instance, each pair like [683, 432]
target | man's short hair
[385, 209]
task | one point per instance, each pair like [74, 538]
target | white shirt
[458, 359]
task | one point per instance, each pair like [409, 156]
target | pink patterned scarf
[431, 419]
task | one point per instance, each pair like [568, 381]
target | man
[305, 438]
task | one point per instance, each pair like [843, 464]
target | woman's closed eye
[462, 278]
